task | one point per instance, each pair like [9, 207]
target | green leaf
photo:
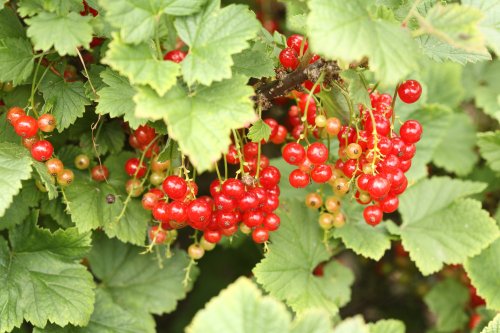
[448, 300]
[352, 325]
[456, 25]
[357, 90]
[171, 153]
[200, 120]
[360, 237]
[493, 326]
[312, 321]
[442, 83]
[115, 98]
[15, 166]
[259, 131]
[32, 7]
[438, 223]
[140, 64]
[57, 211]
[10, 26]
[490, 22]
[46, 179]
[63, 32]
[107, 317]
[16, 60]
[483, 270]
[440, 51]
[387, 326]
[293, 254]
[213, 36]
[69, 99]
[489, 147]
[347, 30]
[110, 138]
[42, 278]
[137, 20]
[134, 280]
[254, 62]
[19, 210]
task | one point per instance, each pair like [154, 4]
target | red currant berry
[410, 91]
[271, 204]
[175, 187]
[408, 152]
[233, 188]
[160, 211]
[199, 213]
[226, 219]
[47, 123]
[410, 131]
[390, 162]
[260, 235]
[294, 153]
[249, 201]
[26, 126]
[253, 218]
[250, 150]
[280, 136]
[378, 187]
[373, 215]
[317, 153]
[29, 142]
[215, 188]
[42, 150]
[149, 200]
[270, 177]
[177, 211]
[273, 124]
[295, 42]
[224, 202]
[298, 178]
[157, 235]
[363, 182]
[321, 173]
[14, 114]
[144, 135]
[175, 56]
[55, 166]
[134, 166]
[289, 59]
[99, 173]
[405, 165]
[65, 177]
[132, 141]
[272, 222]
[212, 236]
[382, 124]
[389, 204]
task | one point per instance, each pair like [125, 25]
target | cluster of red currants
[41, 150]
[291, 55]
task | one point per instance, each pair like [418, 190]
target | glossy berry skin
[149, 200]
[175, 55]
[233, 188]
[82, 162]
[42, 150]
[134, 187]
[294, 153]
[280, 136]
[289, 58]
[175, 187]
[157, 235]
[373, 215]
[253, 218]
[212, 236]
[382, 125]
[26, 126]
[411, 131]
[363, 182]
[199, 213]
[65, 177]
[378, 187]
[249, 201]
[160, 211]
[321, 173]
[389, 204]
[14, 114]
[250, 150]
[224, 202]
[270, 177]
[271, 204]
[226, 219]
[177, 211]
[99, 173]
[29, 142]
[47, 123]
[295, 42]
[299, 179]
[260, 235]
[54, 166]
[272, 222]
[410, 91]
[317, 153]
[144, 135]
[133, 166]
[232, 155]
[195, 251]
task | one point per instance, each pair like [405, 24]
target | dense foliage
[332, 165]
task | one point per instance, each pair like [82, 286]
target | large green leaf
[441, 51]
[68, 98]
[137, 20]
[115, 98]
[134, 280]
[15, 166]
[493, 326]
[63, 32]
[213, 36]
[41, 278]
[295, 250]
[19, 209]
[253, 312]
[440, 227]
[348, 30]
[484, 271]
[387, 326]
[448, 300]
[352, 325]
[489, 147]
[490, 22]
[256, 62]
[10, 26]
[32, 7]
[141, 65]
[200, 120]
[442, 83]
[16, 60]
[46, 179]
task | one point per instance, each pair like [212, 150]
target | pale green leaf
[312, 321]
[213, 36]
[47, 180]
[346, 30]
[65, 33]
[56, 209]
[489, 147]
[16, 60]
[352, 325]
[442, 83]
[140, 65]
[440, 227]
[387, 326]
[254, 62]
[200, 120]
[483, 270]
[10, 26]
[259, 131]
[134, 280]
[357, 90]
[32, 7]
[42, 279]
[15, 166]
[137, 19]
[69, 99]
[115, 98]
[293, 254]
[490, 24]
[19, 209]
[493, 326]
[448, 300]
[440, 51]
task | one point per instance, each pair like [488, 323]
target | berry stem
[237, 142]
[86, 73]
[259, 147]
